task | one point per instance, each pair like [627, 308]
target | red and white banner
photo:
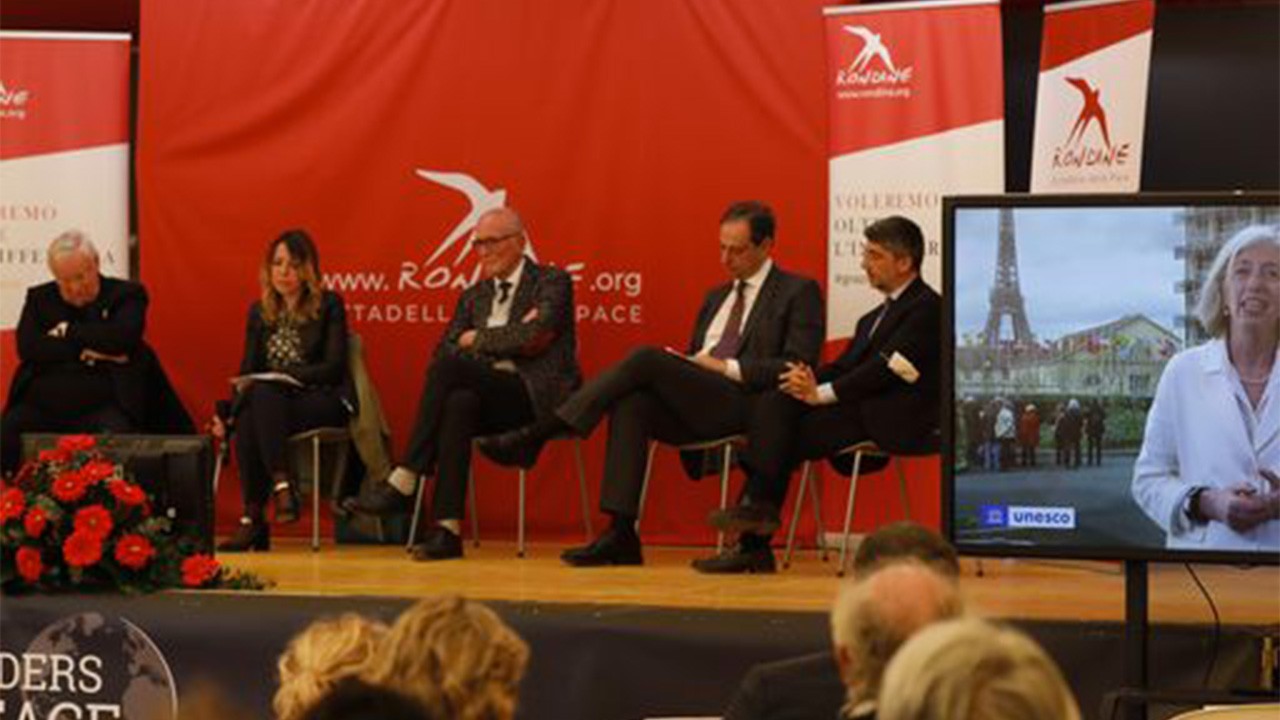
[620, 131]
[1091, 102]
[64, 158]
[915, 95]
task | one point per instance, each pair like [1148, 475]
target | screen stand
[1135, 635]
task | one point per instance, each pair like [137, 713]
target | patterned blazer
[543, 348]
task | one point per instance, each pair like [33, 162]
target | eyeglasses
[490, 242]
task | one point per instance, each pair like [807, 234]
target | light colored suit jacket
[1201, 431]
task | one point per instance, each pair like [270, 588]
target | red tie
[731, 338]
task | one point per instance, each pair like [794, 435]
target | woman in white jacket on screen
[1209, 469]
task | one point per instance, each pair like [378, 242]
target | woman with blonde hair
[456, 656]
[293, 377]
[1209, 470]
[318, 658]
[971, 669]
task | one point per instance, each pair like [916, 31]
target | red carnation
[54, 455]
[127, 493]
[35, 521]
[96, 470]
[198, 570]
[134, 551]
[12, 502]
[69, 486]
[30, 566]
[82, 549]
[76, 443]
[94, 521]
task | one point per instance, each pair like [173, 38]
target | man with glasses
[507, 357]
[746, 333]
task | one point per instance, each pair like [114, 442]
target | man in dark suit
[745, 334]
[507, 357]
[85, 367]
[883, 387]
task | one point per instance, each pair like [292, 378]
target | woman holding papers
[293, 377]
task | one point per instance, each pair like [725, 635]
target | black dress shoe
[736, 561]
[381, 500]
[518, 448]
[439, 545]
[760, 518]
[611, 548]
[249, 536]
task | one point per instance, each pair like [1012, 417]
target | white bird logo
[873, 47]
[482, 200]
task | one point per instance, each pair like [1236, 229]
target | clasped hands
[1241, 506]
[798, 382]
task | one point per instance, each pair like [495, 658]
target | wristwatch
[1191, 505]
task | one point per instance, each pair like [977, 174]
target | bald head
[875, 615]
[499, 241]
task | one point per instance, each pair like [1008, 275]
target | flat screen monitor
[175, 470]
[1093, 410]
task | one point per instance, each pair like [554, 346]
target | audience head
[290, 277]
[905, 541]
[972, 669]
[455, 656]
[320, 656]
[746, 237]
[499, 240]
[874, 615]
[893, 252]
[1260, 245]
[73, 262]
[354, 699]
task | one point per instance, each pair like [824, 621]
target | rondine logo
[1075, 152]
[13, 98]
[874, 63]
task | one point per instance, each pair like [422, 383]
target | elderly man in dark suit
[85, 367]
[883, 387]
[746, 333]
[507, 357]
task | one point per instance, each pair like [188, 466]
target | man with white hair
[84, 366]
[874, 617]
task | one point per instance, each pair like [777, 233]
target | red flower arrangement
[72, 520]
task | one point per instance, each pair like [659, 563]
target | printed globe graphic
[134, 674]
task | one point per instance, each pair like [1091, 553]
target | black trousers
[784, 432]
[464, 398]
[268, 414]
[652, 395]
[26, 417]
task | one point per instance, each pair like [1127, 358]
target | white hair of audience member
[874, 615]
[71, 241]
[971, 669]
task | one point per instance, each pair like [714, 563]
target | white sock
[404, 480]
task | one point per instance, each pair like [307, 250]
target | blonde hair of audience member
[971, 669]
[456, 656]
[316, 659]
[875, 614]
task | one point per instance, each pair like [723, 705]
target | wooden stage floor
[1014, 589]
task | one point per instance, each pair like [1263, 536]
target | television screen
[1094, 409]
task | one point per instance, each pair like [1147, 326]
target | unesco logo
[993, 516]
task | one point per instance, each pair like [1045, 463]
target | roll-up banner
[64, 158]
[915, 93]
[1091, 102]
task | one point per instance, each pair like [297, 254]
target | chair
[338, 441]
[727, 442]
[859, 451]
[520, 518]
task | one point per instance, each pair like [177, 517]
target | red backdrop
[620, 130]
